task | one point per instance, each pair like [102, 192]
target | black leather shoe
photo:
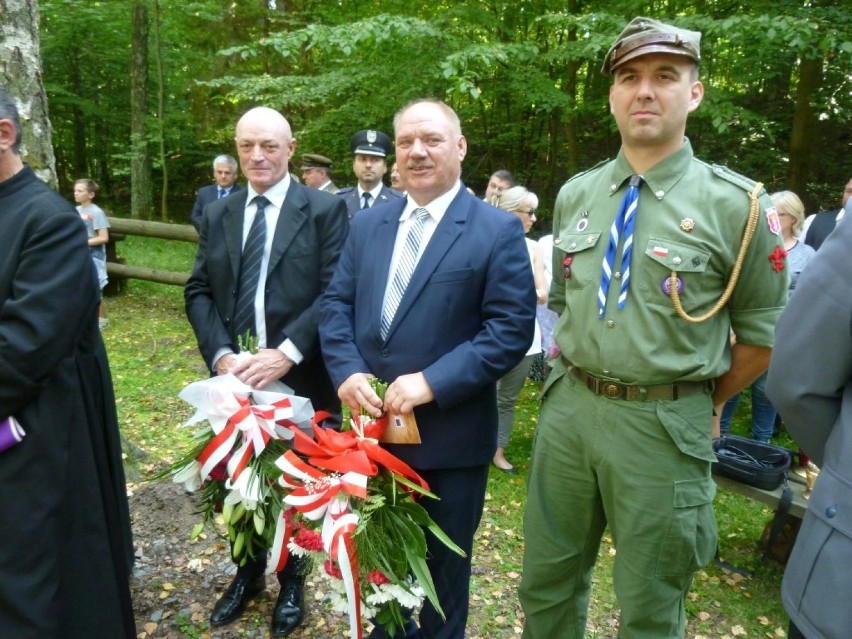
[233, 603]
[289, 609]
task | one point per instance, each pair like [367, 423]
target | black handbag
[751, 462]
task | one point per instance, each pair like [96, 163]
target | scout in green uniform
[648, 288]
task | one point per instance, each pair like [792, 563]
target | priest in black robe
[65, 545]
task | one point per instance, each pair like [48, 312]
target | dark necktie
[622, 227]
[367, 197]
[404, 269]
[244, 317]
[221, 194]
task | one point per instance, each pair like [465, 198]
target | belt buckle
[611, 390]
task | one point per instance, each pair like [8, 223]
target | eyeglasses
[531, 212]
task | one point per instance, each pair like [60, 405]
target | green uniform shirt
[690, 218]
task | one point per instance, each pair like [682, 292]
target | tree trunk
[141, 201]
[161, 113]
[803, 137]
[20, 74]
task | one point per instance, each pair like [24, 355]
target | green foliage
[524, 76]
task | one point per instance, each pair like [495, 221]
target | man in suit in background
[316, 172]
[370, 149]
[225, 174]
[442, 339]
[810, 382]
[818, 226]
[304, 232]
[498, 182]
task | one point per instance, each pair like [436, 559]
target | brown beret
[645, 35]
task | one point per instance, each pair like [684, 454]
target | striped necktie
[250, 262]
[622, 228]
[404, 269]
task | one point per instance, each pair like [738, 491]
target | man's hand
[225, 364]
[262, 368]
[356, 393]
[406, 392]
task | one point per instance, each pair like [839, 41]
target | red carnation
[378, 577]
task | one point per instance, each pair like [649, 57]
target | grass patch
[153, 356]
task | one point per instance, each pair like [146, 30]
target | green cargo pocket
[690, 540]
[688, 422]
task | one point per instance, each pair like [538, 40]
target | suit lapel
[446, 233]
[232, 222]
[292, 217]
[379, 260]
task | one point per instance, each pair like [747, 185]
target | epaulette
[589, 170]
[344, 190]
[741, 181]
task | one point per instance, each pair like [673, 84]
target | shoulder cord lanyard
[753, 216]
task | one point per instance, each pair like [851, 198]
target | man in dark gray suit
[225, 174]
[305, 231]
[810, 382]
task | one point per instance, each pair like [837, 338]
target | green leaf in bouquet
[419, 515]
[379, 387]
[414, 487]
[379, 546]
[390, 618]
[248, 342]
[415, 552]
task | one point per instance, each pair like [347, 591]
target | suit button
[830, 512]
[385, 352]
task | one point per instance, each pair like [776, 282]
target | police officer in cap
[371, 149]
[657, 258]
[316, 172]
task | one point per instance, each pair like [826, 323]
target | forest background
[143, 94]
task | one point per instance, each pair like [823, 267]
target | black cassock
[65, 545]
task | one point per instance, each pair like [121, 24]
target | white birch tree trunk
[20, 74]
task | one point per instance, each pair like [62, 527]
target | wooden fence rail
[119, 272]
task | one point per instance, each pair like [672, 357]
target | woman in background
[791, 212]
[522, 203]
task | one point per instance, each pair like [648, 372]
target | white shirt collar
[374, 193]
[274, 194]
[437, 207]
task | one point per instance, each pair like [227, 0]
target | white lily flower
[247, 489]
[189, 476]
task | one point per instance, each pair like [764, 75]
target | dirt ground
[176, 581]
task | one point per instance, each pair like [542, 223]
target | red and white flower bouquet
[287, 485]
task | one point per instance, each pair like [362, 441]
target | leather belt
[613, 389]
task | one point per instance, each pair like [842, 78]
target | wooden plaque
[401, 429]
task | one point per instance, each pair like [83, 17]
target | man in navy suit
[370, 149]
[465, 318]
[305, 231]
[225, 174]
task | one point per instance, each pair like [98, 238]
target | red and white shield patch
[773, 220]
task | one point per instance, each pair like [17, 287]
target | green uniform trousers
[643, 469]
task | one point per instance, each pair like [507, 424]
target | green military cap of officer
[646, 35]
[315, 161]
